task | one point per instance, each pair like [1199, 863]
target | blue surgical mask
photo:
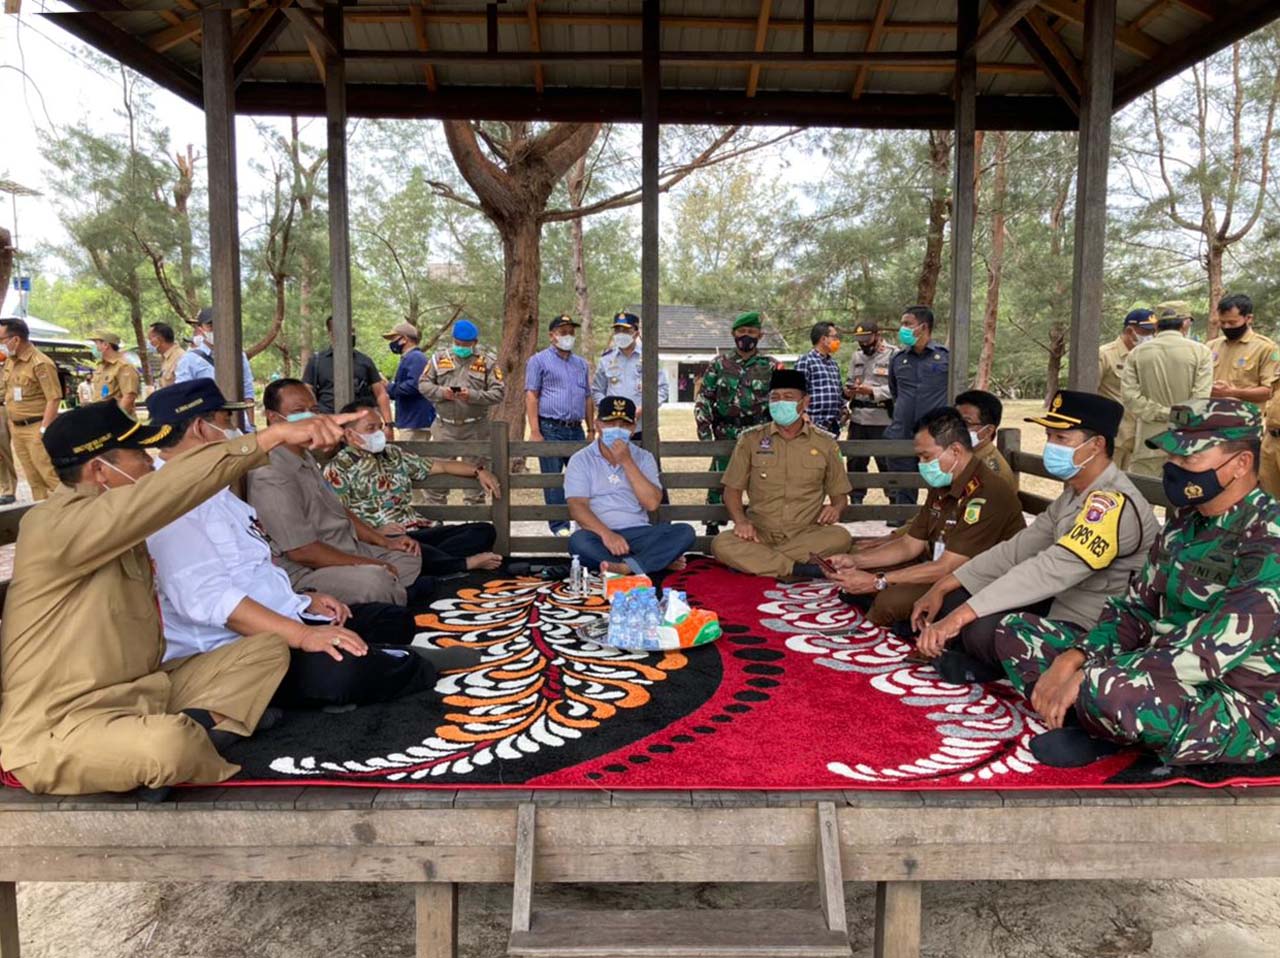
[463, 352]
[907, 336]
[784, 411]
[1060, 460]
[933, 474]
[611, 434]
[299, 416]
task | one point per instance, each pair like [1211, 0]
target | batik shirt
[378, 487]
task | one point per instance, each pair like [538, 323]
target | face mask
[784, 411]
[833, 346]
[933, 474]
[611, 434]
[1234, 333]
[97, 353]
[373, 441]
[746, 343]
[1060, 461]
[1187, 488]
[465, 352]
[396, 348]
[114, 468]
[974, 439]
[867, 348]
[233, 433]
[1146, 337]
[623, 340]
[907, 336]
[564, 343]
[300, 416]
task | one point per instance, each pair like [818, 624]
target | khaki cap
[111, 338]
[407, 330]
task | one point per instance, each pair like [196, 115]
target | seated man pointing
[611, 486]
[785, 468]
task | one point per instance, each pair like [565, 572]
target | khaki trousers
[8, 478]
[35, 462]
[776, 554]
[355, 584]
[1269, 467]
[1146, 467]
[118, 749]
[467, 432]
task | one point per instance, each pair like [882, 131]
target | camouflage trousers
[715, 496]
[1138, 698]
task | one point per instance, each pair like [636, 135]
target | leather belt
[25, 422]
[459, 422]
[570, 423]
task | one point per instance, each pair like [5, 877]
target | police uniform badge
[973, 511]
[766, 444]
[1094, 539]
[1192, 490]
[444, 362]
[1057, 403]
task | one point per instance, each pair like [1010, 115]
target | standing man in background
[822, 373]
[369, 382]
[113, 377]
[734, 395]
[414, 411]
[918, 382]
[32, 393]
[867, 389]
[465, 383]
[1139, 326]
[557, 399]
[197, 362]
[618, 373]
[1246, 364]
[1169, 370]
[161, 337]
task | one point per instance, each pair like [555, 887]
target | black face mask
[867, 348]
[396, 347]
[746, 343]
[1234, 332]
[1186, 488]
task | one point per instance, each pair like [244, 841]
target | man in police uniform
[734, 395]
[1168, 370]
[32, 394]
[1186, 662]
[113, 377]
[918, 382]
[982, 412]
[618, 372]
[967, 511]
[785, 469]
[867, 390]
[1139, 326]
[1076, 555]
[108, 717]
[465, 384]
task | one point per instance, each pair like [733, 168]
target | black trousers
[902, 497]
[978, 638]
[445, 548]
[862, 463]
[316, 679]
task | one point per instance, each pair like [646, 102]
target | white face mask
[565, 343]
[623, 340]
[372, 442]
[114, 468]
[233, 433]
[1145, 337]
[974, 439]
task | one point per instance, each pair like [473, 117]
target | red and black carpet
[800, 693]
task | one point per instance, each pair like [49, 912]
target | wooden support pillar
[897, 919]
[500, 444]
[966, 93]
[436, 913]
[224, 227]
[1091, 192]
[335, 97]
[649, 286]
[9, 920]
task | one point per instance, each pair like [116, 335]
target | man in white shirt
[216, 582]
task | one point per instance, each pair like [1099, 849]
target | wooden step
[704, 933]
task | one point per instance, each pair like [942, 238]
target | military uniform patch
[1095, 536]
[973, 510]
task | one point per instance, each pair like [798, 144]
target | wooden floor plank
[20, 800]
[1039, 797]
[882, 798]
[789, 799]
[414, 798]
[573, 798]
[961, 798]
[9, 947]
[491, 797]
[325, 798]
[260, 798]
[664, 798]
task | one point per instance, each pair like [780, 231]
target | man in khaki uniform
[982, 413]
[1160, 374]
[113, 378]
[465, 384]
[161, 337]
[968, 510]
[785, 468]
[85, 704]
[8, 478]
[32, 394]
[1139, 326]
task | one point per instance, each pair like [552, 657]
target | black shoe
[806, 570]
[902, 630]
[713, 528]
[8, 500]
[271, 717]
[1070, 748]
[152, 796]
[447, 660]
[219, 737]
[961, 669]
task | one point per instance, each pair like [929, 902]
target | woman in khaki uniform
[32, 394]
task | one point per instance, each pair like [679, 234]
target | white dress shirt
[207, 563]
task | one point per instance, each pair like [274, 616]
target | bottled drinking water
[575, 577]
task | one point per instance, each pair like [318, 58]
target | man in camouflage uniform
[734, 395]
[1187, 662]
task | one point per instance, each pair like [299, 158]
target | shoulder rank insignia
[497, 372]
[479, 365]
[970, 487]
[1094, 539]
[444, 361]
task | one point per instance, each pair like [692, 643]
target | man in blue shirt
[619, 374]
[822, 374]
[556, 400]
[612, 486]
[918, 382]
[197, 362]
[414, 411]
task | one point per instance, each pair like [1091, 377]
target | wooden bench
[436, 840]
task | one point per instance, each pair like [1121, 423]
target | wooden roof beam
[1049, 62]
[535, 44]
[251, 49]
[1204, 9]
[418, 15]
[762, 33]
[1135, 41]
[1061, 53]
[1009, 16]
[873, 43]
[312, 31]
[1149, 13]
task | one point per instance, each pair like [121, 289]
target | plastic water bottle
[575, 577]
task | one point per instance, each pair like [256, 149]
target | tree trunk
[939, 208]
[277, 320]
[1057, 350]
[581, 294]
[1213, 266]
[182, 190]
[135, 319]
[522, 272]
[995, 264]
[6, 261]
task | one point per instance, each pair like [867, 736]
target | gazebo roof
[872, 63]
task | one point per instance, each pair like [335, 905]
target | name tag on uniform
[17, 393]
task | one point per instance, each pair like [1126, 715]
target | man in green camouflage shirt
[1187, 662]
[734, 395]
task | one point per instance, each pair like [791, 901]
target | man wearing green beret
[734, 395]
[1186, 663]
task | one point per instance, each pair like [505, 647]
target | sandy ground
[1171, 919]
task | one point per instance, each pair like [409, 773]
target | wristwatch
[881, 582]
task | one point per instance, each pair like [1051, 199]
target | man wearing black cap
[1077, 554]
[785, 468]
[867, 390]
[557, 397]
[85, 705]
[1139, 326]
[619, 371]
[612, 485]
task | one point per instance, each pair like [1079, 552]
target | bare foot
[618, 568]
[679, 564]
[485, 561]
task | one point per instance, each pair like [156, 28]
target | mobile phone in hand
[822, 563]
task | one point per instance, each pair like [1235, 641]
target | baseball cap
[80, 434]
[564, 319]
[1204, 423]
[402, 329]
[181, 401]
[111, 338]
[1140, 317]
[1174, 309]
[1071, 409]
[616, 409]
[627, 319]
